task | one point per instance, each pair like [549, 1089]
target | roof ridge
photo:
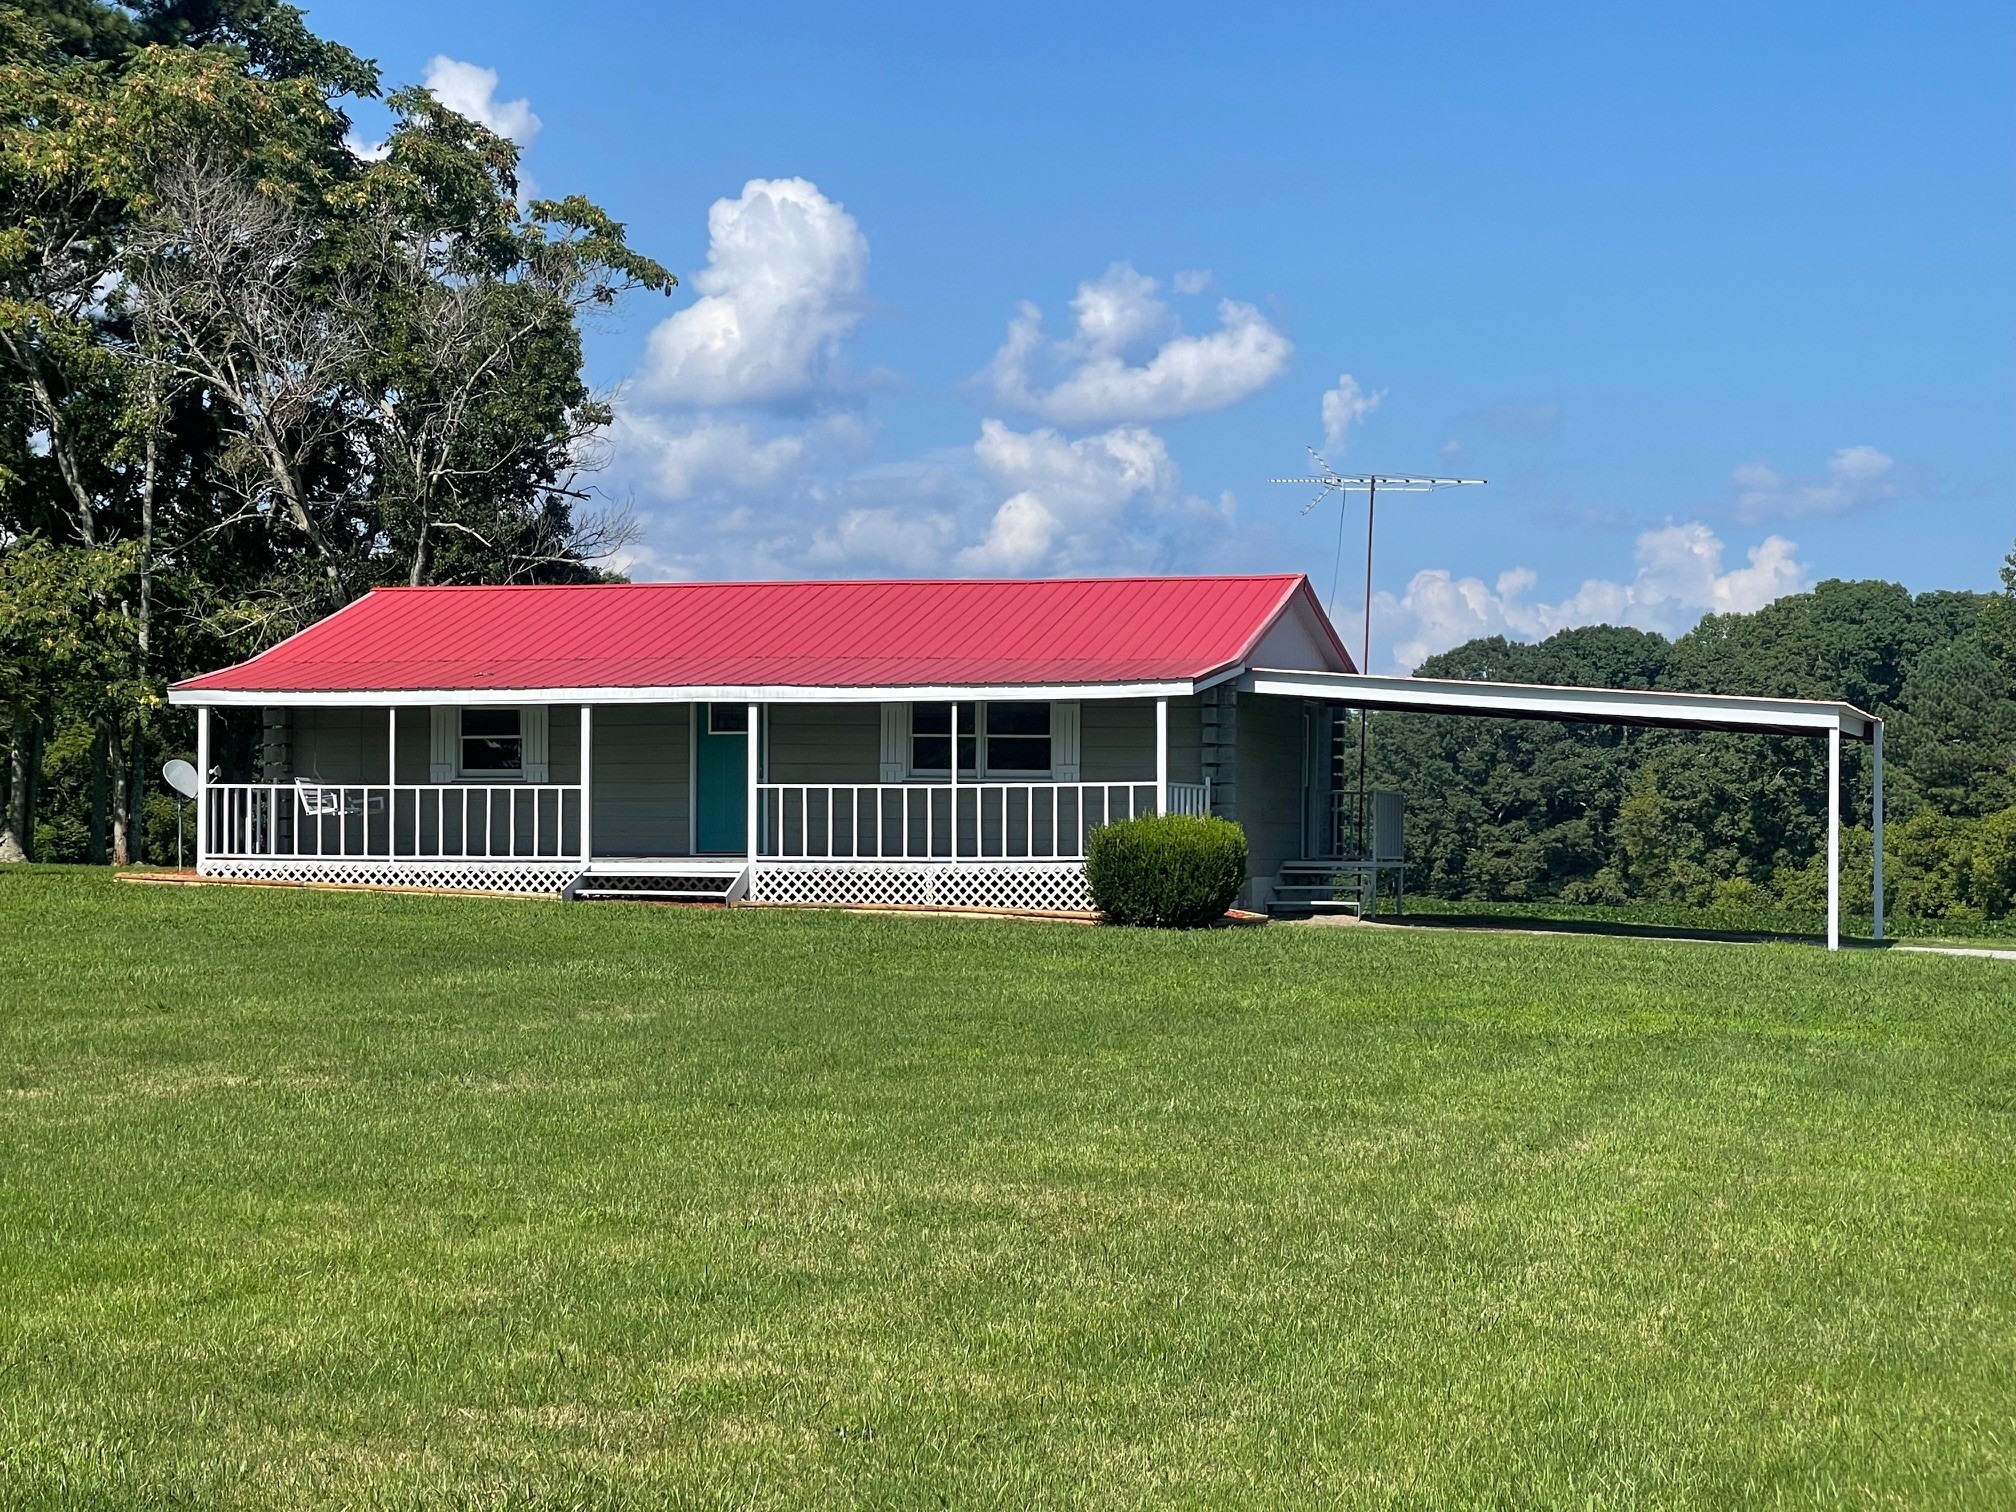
[918, 582]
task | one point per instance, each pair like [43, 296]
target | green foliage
[1954, 739]
[1174, 871]
[1512, 811]
[259, 373]
[65, 638]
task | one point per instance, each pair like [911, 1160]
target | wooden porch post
[587, 789]
[1161, 755]
[954, 780]
[202, 785]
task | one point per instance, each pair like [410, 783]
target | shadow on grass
[1622, 928]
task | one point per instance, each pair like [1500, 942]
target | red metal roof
[827, 634]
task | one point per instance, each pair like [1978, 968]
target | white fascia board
[514, 697]
[1637, 706]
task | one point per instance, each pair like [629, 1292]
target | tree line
[253, 370]
[1501, 810]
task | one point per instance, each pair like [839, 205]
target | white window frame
[463, 771]
[982, 772]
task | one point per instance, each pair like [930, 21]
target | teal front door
[721, 779]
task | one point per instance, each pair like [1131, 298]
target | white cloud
[1068, 497]
[1343, 407]
[783, 286]
[887, 537]
[1128, 359]
[680, 454]
[1856, 476]
[471, 90]
[1680, 577]
[1190, 280]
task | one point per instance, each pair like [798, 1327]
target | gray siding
[1117, 740]
[640, 787]
[348, 745]
[1271, 760]
[824, 743]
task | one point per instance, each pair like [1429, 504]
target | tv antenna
[1329, 481]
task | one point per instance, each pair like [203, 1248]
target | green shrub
[1174, 871]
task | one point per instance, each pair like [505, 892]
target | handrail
[894, 821]
[311, 820]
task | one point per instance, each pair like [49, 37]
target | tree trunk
[24, 763]
[422, 556]
[122, 805]
[94, 850]
[136, 795]
[14, 841]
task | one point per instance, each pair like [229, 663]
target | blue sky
[1717, 296]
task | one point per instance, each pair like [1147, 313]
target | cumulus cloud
[1067, 496]
[784, 286]
[470, 90]
[744, 393]
[1855, 477]
[678, 454]
[1343, 407]
[1128, 359]
[1680, 577]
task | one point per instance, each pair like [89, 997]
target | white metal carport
[1626, 706]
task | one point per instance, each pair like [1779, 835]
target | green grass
[1998, 933]
[313, 1199]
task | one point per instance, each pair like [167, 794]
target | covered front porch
[829, 803]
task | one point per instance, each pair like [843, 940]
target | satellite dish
[182, 777]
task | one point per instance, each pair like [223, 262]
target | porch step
[658, 887]
[1305, 887]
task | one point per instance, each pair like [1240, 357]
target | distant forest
[1504, 810]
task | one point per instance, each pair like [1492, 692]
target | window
[727, 719]
[1018, 737]
[493, 744]
[1015, 741]
[931, 738]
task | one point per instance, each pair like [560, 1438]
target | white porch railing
[1012, 821]
[376, 821]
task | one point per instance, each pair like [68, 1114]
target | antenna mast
[1329, 481]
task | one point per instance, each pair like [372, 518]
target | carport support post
[202, 785]
[1161, 755]
[751, 743]
[587, 792]
[1834, 838]
[1876, 826]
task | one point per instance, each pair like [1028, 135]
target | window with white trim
[493, 743]
[995, 739]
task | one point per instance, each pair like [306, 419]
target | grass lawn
[1998, 934]
[314, 1199]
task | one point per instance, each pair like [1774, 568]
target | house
[948, 743]
[597, 738]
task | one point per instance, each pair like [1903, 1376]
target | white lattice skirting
[1056, 886]
[512, 877]
[1050, 886]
